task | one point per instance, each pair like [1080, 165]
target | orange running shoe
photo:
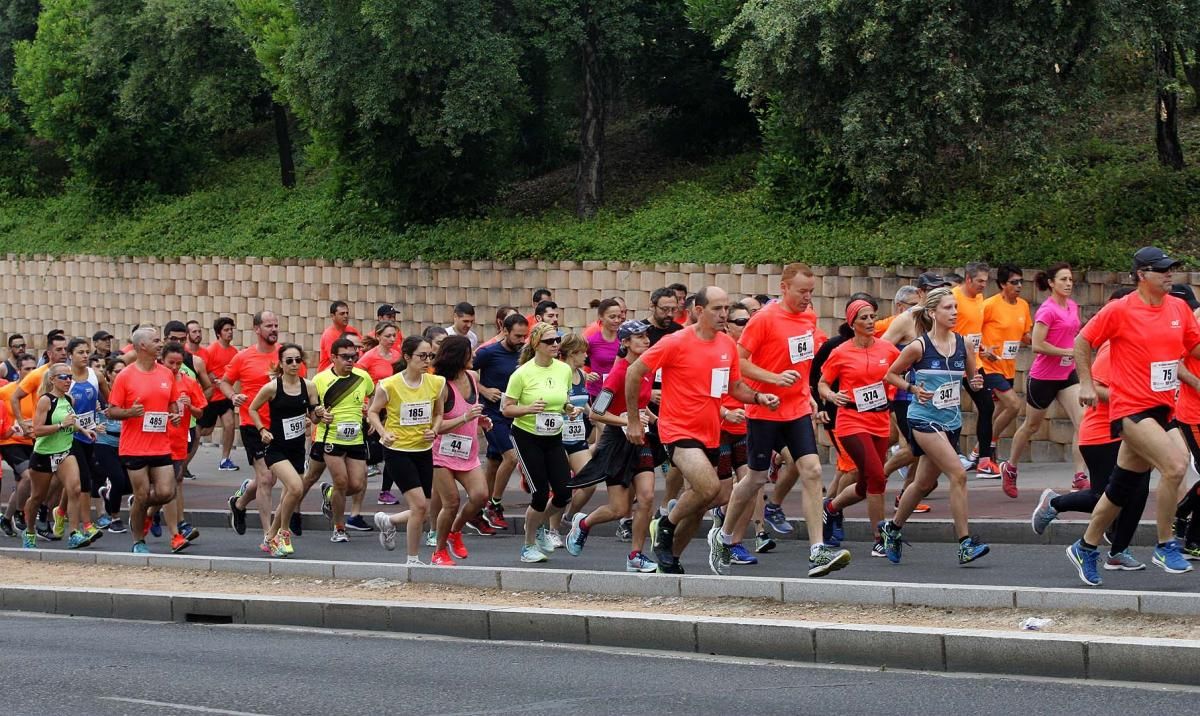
[441, 558]
[454, 541]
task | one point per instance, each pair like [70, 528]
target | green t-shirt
[530, 383]
[60, 441]
[347, 425]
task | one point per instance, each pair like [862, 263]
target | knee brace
[1126, 485]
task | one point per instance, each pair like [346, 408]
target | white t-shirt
[451, 330]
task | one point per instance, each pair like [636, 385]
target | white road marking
[183, 707]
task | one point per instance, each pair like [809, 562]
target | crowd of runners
[720, 399]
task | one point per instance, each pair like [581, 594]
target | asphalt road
[93, 666]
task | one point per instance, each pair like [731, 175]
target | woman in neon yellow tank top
[413, 400]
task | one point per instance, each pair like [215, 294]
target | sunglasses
[552, 341]
[1015, 282]
[425, 356]
[17, 345]
[348, 356]
[292, 361]
[62, 376]
[739, 321]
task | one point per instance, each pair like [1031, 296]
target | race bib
[574, 431]
[548, 423]
[348, 431]
[947, 395]
[456, 446]
[870, 397]
[1010, 349]
[800, 348]
[719, 384]
[420, 413]
[1164, 376]
[85, 421]
[293, 427]
[1066, 361]
[658, 376]
[974, 340]
[154, 422]
[56, 459]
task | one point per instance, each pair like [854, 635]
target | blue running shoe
[1086, 562]
[971, 549]
[773, 515]
[1169, 557]
[140, 548]
[893, 544]
[103, 521]
[28, 540]
[827, 522]
[228, 465]
[740, 555]
[157, 524]
[577, 537]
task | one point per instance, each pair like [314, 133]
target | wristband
[756, 394]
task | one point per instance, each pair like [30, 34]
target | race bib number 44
[456, 446]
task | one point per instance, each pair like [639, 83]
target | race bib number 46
[548, 423]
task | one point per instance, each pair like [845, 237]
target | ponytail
[923, 313]
[1043, 278]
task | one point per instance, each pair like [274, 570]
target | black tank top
[288, 411]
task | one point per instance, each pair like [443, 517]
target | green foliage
[270, 26]
[18, 22]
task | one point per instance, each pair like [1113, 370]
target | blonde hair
[48, 377]
[535, 338]
[923, 314]
[572, 343]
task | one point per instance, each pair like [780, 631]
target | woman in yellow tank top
[413, 400]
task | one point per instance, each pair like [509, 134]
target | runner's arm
[753, 372]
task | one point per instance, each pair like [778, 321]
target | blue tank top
[579, 428]
[86, 399]
[941, 376]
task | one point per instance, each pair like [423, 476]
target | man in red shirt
[777, 349]
[217, 356]
[699, 365]
[339, 316]
[1148, 332]
[191, 404]
[145, 395]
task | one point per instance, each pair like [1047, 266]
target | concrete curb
[1062, 532]
[950, 650]
[516, 579]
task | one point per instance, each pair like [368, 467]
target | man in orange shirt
[339, 324]
[970, 326]
[217, 356]
[1007, 325]
[17, 447]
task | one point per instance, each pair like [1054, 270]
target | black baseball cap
[385, 309]
[930, 280]
[1153, 258]
[102, 336]
[1184, 291]
[632, 328]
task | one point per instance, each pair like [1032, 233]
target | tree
[270, 26]
[18, 22]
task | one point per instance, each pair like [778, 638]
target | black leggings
[985, 408]
[109, 464]
[1101, 461]
[544, 462]
[1189, 506]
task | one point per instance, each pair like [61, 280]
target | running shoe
[77, 540]
[277, 547]
[441, 558]
[60, 523]
[92, 533]
[264, 546]
[1043, 513]
[18, 521]
[358, 524]
[1080, 482]
[718, 516]
[893, 543]
[44, 532]
[103, 521]
[454, 542]
[493, 512]
[1124, 561]
[228, 465]
[837, 530]
[544, 543]
[189, 533]
[1180, 528]
[179, 543]
[339, 536]
[1085, 562]
[7, 527]
[387, 498]
[555, 538]
[530, 554]
[1168, 556]
[187, 475]
[921, 507]
[577, 536]
[824, 559]
[117, 527]
[674, 567]
[285, 536]
[296, 523]
[327, 500]
[414, 561]
[480, 526]
[773, 514]
[624, 530]
[971, 549]
[387, 531]
[740, 555]
[373, 470]
[987, 468]
[237, 515]
[763, 543]
[140, 548]
[431, 538]
[877, 550]
[662, 543]
[969, 462]
[1008, 478]
[719, 554]
[29, 540]
[639, 562]
[157, 524]
[1191, 551]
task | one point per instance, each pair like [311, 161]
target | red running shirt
[695, 375]
[1095, 426]
[156, 390]
[179, 433]
[862, 369]
[615, 384]
[1147, 343]
[779, 340]
[253, 369]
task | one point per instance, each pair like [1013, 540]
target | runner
[546, 312]
[940, 360]
[969, 297]
[496, 364]
[145, 396]
[501, 313]
[776, 350]
[664, 304]
[17, 448]
[626, 469]
[54, 424]
[1148, 332]
[1052, 376]
[1006, 327]
[536, 399]
[413, 399]
[577, 432]
[456, 452]
[464, 318]
[859, 367]
[102, 345]
[1187, 512]
[87, 388]
[114, 482]
[906, 297]
[191, 404]
[681, 295]
[699, 366]
[1100, 450]
[16, 348]
[539, 295]
[339, 326]
[29, 387]
[338, 440]
[379, 362]
[291, 401]
[603, 345]
[195, 338]
[217, 357]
